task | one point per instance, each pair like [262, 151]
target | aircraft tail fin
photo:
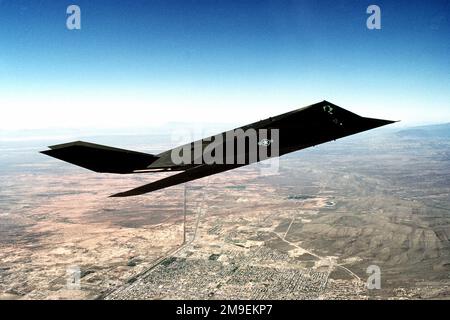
[101, 158]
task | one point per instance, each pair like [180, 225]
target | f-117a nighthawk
[288, 132]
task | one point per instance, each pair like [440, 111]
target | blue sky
[144, 63]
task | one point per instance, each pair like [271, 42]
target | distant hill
[430, 131]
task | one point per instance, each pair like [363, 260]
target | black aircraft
[288, 132]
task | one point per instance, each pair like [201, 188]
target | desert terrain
[309, 230]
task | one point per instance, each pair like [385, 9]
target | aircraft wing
[182, 177]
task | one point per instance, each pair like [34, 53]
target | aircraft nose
[371, 123]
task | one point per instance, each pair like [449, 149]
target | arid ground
[309, 230]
